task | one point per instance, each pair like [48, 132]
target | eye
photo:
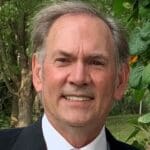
[62, 61]
[96, 62]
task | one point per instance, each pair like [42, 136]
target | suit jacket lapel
[31, 138]
[110, 140]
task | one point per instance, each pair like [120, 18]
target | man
[80, 66]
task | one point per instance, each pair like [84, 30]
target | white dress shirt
[54, 140]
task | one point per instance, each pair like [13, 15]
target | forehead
[80, 20]
[77, 30]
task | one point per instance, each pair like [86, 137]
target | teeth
[77, 98]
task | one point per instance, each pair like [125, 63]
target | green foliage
[121, 127]
[140, 39]
[15, 47]
[144, 119]
[138, 94]
[138, 24]
[135, 16]
[118, 7]
[5, 96]
[4, 121]
[146, 74]
[139, 46]
[135, 76]
[140, 76]
[140, 70]
[143, 125]
[8, 13]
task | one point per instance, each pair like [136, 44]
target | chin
[77, 121]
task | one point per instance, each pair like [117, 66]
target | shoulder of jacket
[8, 137]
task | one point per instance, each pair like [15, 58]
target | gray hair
[44, 19]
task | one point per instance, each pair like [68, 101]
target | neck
[80, 136]
[77, 135]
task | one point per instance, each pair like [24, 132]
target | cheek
[104, 85]
[104, 82]
[53, 78]
[104, 98]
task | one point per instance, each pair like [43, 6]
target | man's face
[78, 79]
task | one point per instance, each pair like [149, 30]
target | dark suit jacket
[31, 138]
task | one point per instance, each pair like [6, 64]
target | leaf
[145, 118]
[118, 7]
[127, 5]
[140, 39]
[145, 3]
[145, 32]
[136, 76]
[136, 44]
[139, 93]
[133, 134]
[146, 74]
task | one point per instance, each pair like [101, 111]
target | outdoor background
[129, 120]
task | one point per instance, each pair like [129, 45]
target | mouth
[78, 98]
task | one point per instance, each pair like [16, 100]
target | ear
[122, 81]
[36, 73]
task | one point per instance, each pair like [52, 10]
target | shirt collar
[56, 141]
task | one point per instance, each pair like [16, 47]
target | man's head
[47, 16]
[80, 64]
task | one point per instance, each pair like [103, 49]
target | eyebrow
[97, 56]
[63, 53]
[89, 56]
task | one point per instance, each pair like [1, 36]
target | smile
[77, 98]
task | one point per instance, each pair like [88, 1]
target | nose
[79, 75]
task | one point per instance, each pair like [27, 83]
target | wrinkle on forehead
[87, 26]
